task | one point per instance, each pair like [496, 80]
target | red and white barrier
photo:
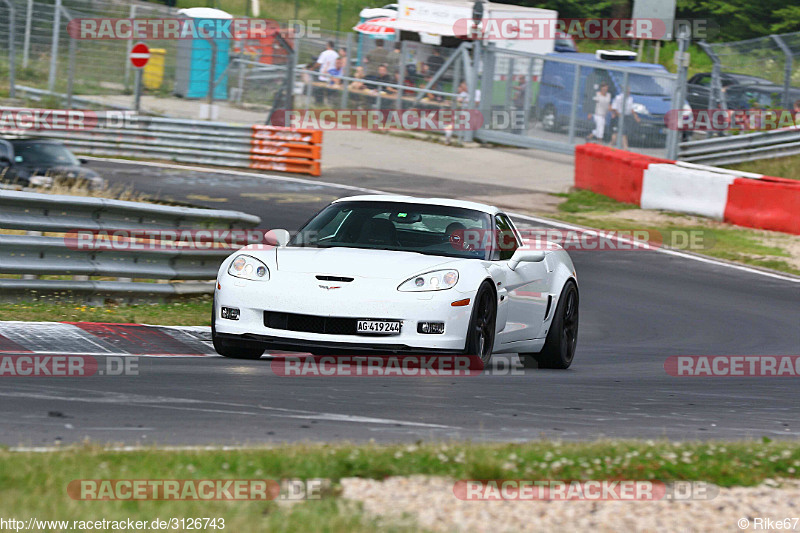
[740, 198]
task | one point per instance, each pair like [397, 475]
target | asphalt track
[637, 309]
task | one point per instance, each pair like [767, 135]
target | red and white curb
[740, 198]
[92, 338]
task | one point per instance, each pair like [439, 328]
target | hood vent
[341, 279]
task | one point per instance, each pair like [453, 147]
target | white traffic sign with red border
[139, 55]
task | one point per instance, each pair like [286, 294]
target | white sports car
[397, 274]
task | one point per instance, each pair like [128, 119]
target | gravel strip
[431, 503]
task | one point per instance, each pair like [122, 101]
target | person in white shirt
[602, 103]
[326, 61]
[463, 95]
[621, 118]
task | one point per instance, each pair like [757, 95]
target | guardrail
[201, 142]
[740, 148]
[171, 270]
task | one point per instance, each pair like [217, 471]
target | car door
[6, 160]
[698, 91]
[522, 293]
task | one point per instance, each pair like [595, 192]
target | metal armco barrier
[33, 255]
[740, 148]
[193, 141]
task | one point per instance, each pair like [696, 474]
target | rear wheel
[480, 336]
[233, 348]
[562, 339]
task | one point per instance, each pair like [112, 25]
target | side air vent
[341, 279]
[549, 303]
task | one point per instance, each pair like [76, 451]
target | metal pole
[338, 19]
[290, 66]
[509, 100]
[621, 119]
[673, 137]
[137, 91]
[787, 73]
[242, 66]
[26, 44]
[211, 73]
[346, 72]
[401, 80]
[575, 94]
[11, 50]
[51, 79]
[128, 47]
[478, 64]
[527, 97]
[71, 73]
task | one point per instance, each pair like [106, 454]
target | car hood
[357, 263]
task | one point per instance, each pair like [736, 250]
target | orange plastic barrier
[286, 149]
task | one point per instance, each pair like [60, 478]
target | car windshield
[648, 86]
[407, 227]
[42, 154]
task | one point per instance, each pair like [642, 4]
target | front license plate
[380, 327]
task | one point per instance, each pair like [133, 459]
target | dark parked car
[735, 86]
[759, 96]
[40, 162]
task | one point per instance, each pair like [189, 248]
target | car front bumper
[361, 300]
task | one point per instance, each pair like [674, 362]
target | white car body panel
[293, 287]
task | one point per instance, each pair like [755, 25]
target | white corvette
[396, 274]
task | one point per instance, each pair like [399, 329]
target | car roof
[611, 62]
[446, 202]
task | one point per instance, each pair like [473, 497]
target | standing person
[376, 57]
[336, 73]
[326, 61]
[619, 105]
[796, 112]
[383, 77]
[393, 61]
[432, 65]
[602, 103]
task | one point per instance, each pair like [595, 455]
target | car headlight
[40, 181]
[247, 267]
[438, 280]
[640, 109]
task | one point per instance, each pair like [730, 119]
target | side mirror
[277, 237]
[83, 161]
[525, 256]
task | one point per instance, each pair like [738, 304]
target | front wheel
[480, 336]
[233, 348]
[559, 347]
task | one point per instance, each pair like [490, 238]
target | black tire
[559, 347]
[480, 336]
[232, 348]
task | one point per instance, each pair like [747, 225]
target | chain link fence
[547, 102]
[770, 61]
[556, 101]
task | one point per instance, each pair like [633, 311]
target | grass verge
[34, 484]
[189, 312]
[773, 250]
